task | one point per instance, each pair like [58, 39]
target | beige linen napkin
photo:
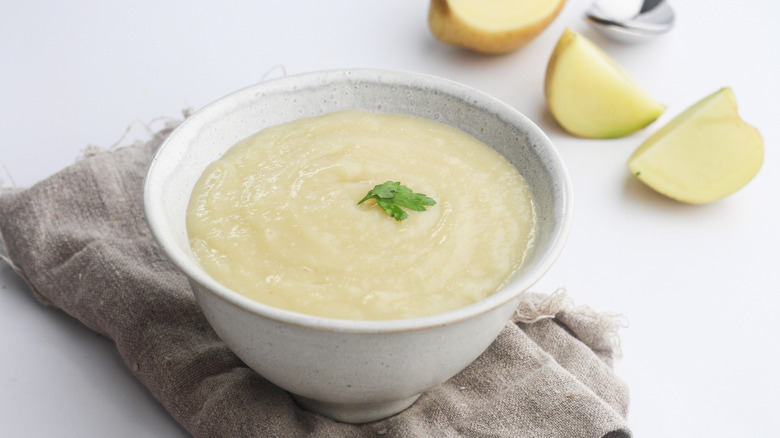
[80, 241]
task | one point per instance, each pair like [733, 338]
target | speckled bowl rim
[403, 80]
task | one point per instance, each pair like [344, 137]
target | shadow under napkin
[79, 239]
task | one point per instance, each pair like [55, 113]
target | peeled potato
[491, 26]
[590, 95]
[702, 155]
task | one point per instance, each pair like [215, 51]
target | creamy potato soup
[277, 217]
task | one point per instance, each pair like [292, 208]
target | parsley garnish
[391, 196]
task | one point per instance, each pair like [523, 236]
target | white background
[699, 285]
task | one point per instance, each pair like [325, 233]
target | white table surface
[699, 285]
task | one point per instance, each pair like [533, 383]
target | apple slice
[491, 26]
[590, 95]
[704, 154]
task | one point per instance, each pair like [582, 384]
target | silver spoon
[631, 20]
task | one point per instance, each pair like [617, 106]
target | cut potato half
[491, 26]
[590, 95]
[704, 154]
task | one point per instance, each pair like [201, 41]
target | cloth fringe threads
[530, 311]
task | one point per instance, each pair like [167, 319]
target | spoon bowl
[631, 21]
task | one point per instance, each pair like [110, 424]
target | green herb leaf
[391, 196]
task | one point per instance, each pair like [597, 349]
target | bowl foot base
[355, 412]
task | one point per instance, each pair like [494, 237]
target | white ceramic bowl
[354, 371]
